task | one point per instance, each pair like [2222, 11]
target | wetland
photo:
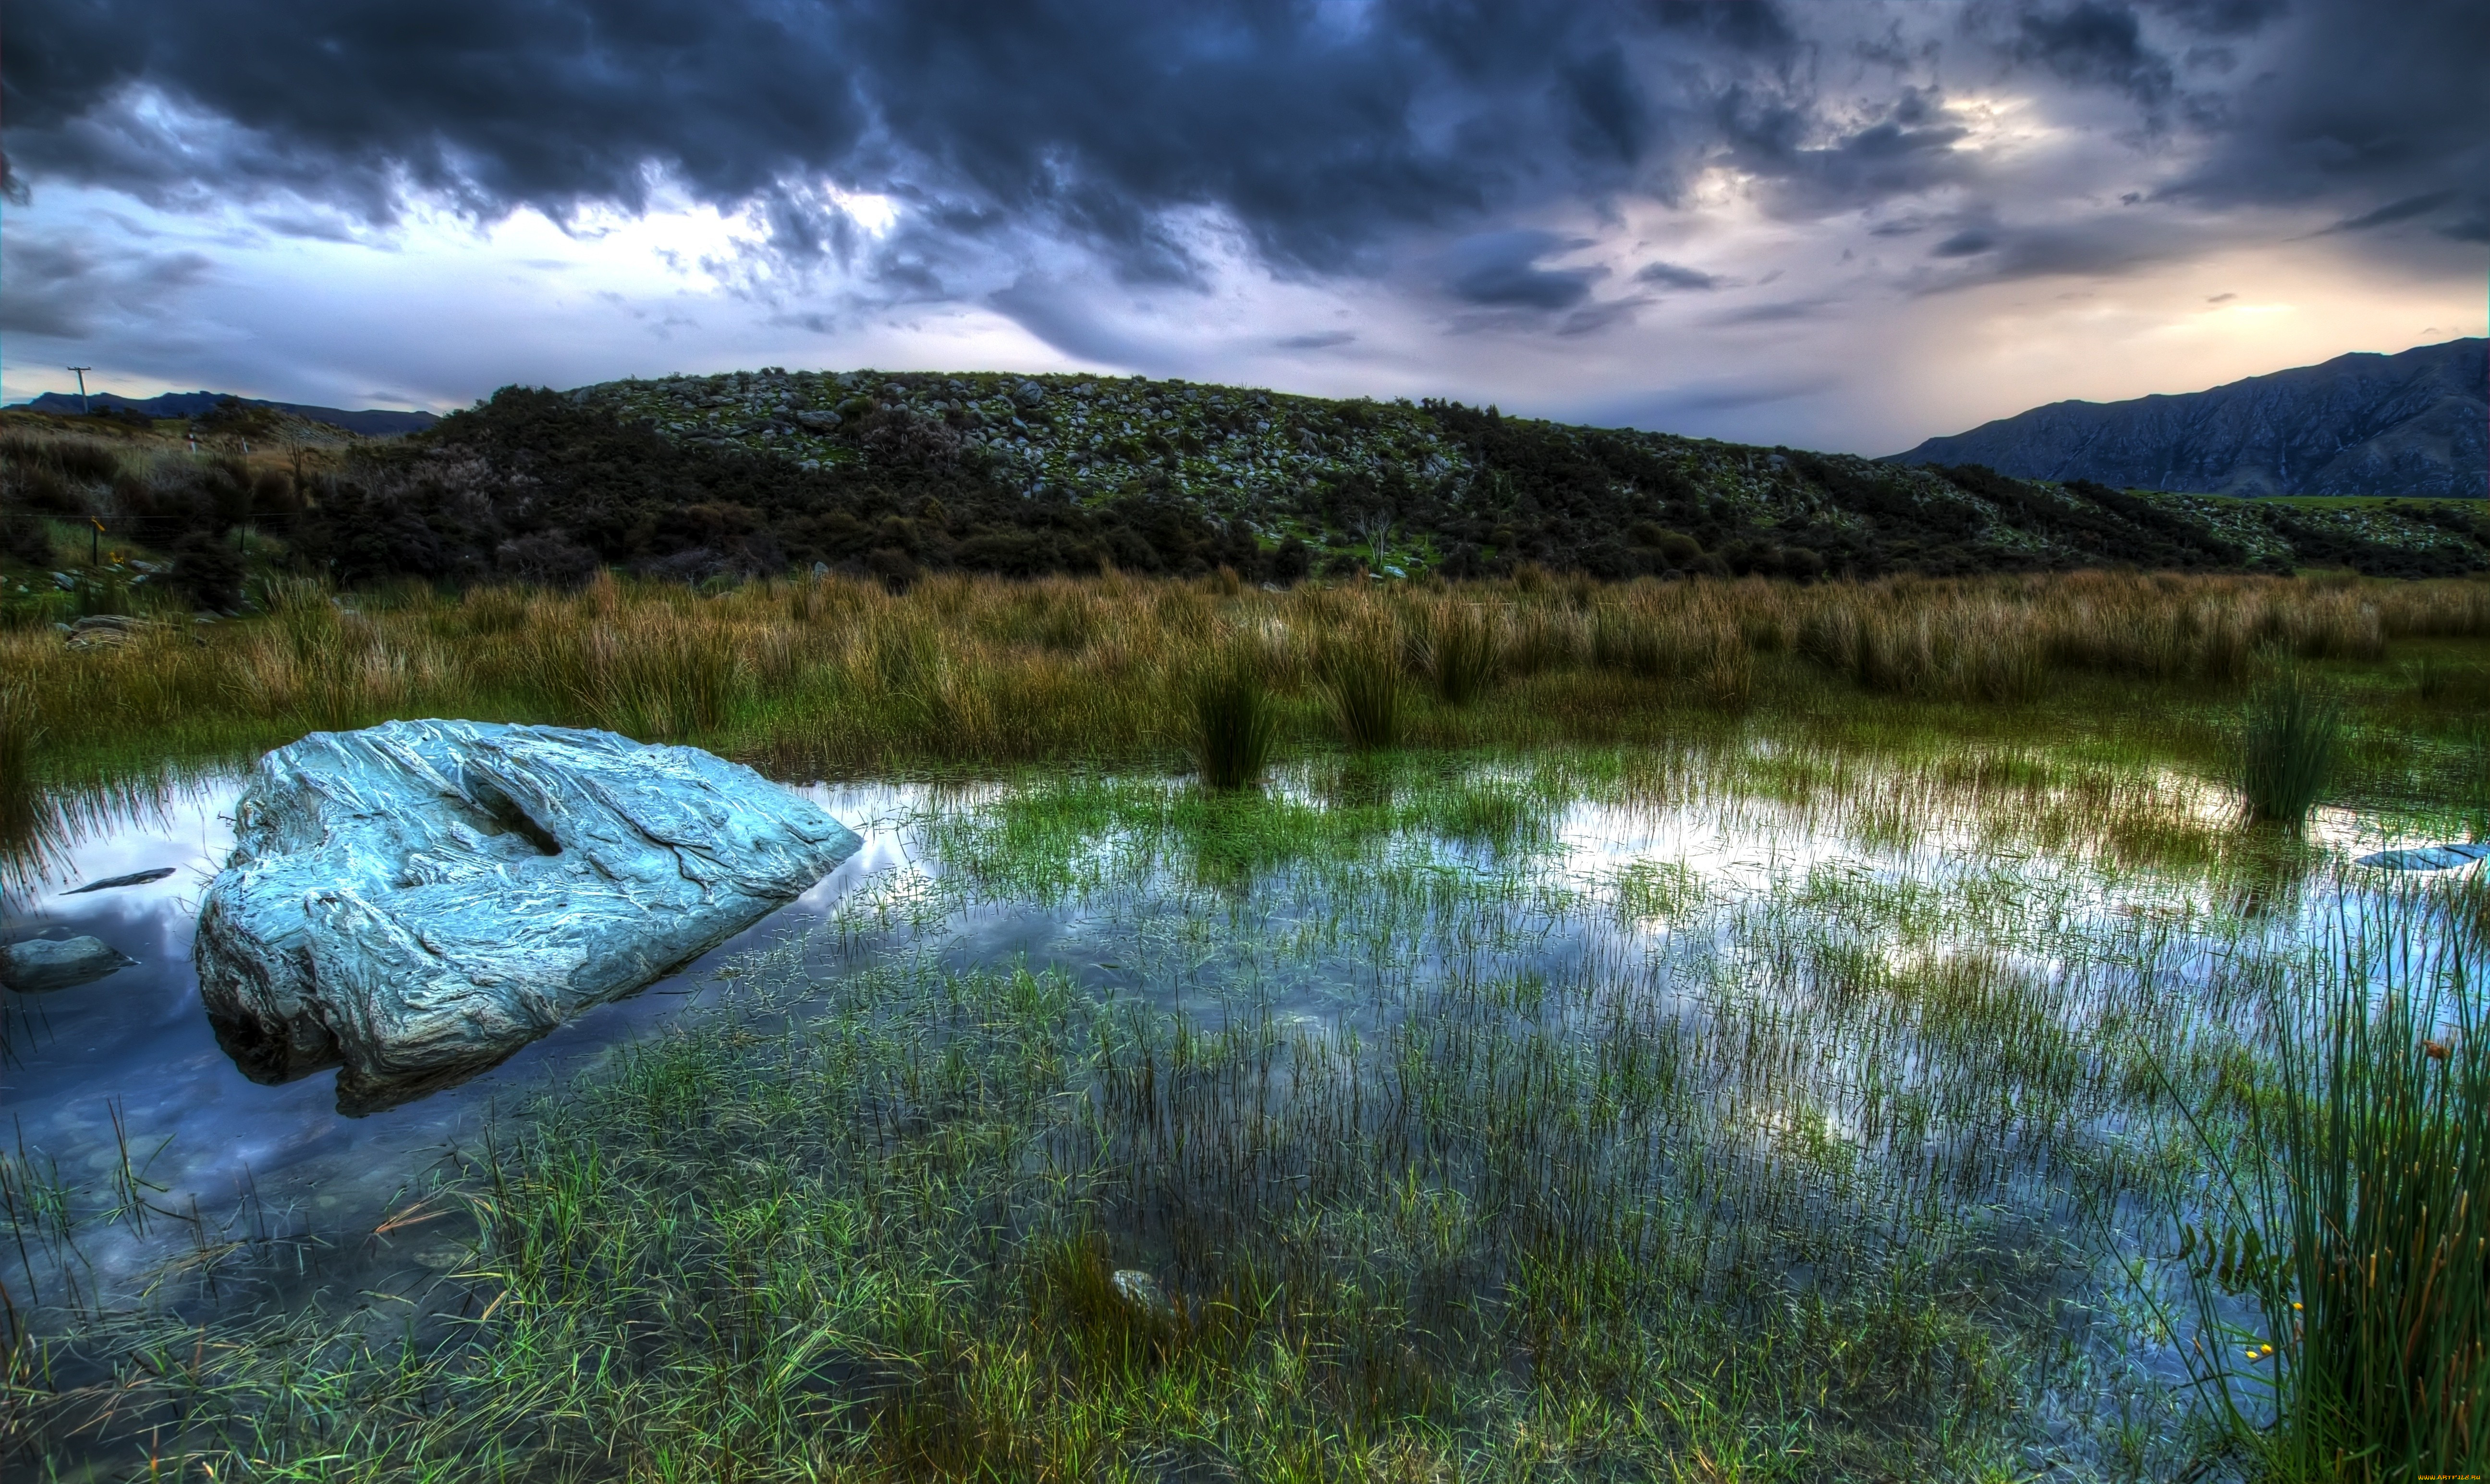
[1713, 1031]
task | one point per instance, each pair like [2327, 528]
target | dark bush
[208, 571]
[546, 559]
[896, 569]
[25, 536]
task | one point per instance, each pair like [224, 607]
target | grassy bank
[841, 677]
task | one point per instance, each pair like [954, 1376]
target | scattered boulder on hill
[415, 902]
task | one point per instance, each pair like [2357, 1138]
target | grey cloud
[67, 290]
[1779, 312]
[2394, 211]
[1675, 275]
[1967, 243]
[1498, 270]
[1060, 318]
[2099, 45]
[1324, 341]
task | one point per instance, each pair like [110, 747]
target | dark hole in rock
[505, 812]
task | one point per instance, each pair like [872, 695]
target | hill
[371, 421]
[2411, 423]
[895, 474]
[896, 471]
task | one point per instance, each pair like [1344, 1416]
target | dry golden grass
[840, 676]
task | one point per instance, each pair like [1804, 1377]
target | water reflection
[137, 1046]
[1835, 971]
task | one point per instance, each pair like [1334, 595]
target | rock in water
[415, 902]
[2426, 857]
[46, 964]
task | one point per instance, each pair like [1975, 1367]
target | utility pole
[81, 371]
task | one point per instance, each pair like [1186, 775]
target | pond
[1777, 1030]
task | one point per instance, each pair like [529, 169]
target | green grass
[2289, 745]
[1806, 1133]
[2346, 1210]
[1231, 722]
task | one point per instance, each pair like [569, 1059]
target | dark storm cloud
[1499, 270]
[2359, 104]
[1319, 131]
[2097, 44]
[1327, 136]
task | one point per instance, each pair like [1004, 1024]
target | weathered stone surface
[42, 965]
[415, 902]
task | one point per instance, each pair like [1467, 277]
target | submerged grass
[1549, 1158]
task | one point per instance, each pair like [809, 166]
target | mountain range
[2417, 422]
[371, 421]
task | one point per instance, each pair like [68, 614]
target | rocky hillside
[2406, 424]
[896, 473]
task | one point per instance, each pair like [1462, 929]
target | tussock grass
[1231, 723]
[1463, 649]
[2290, 746]
[1358, 677]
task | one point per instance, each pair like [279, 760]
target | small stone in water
[1142, 1291]
[46, 964]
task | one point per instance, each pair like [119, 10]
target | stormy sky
[1835, 223]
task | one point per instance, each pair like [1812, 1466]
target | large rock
[415, 902]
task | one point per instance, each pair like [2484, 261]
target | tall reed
[2289, 745]
[2385, 1125]
[1463, 645]
[1231, 725]
[2353, 1213]
[1358, 677]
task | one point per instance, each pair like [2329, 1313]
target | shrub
[208, 571]
[1231, 722]
[2288, 750]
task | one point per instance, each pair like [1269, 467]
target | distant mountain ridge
[2415, 424]
[371, 421]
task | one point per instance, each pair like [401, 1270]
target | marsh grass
[1483, 1163]
[2291, 739]
[1231, 723]
[1463, 648]
[840, 677]
[2350, 1213]
[1358, 677]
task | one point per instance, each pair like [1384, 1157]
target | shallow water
[1717, 908]
[136, 1046]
